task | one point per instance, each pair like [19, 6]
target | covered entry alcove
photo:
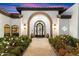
[39, 25]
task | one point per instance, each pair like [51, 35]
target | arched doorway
[39, 29]
[45, 18]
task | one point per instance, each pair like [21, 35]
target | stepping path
[39, 47]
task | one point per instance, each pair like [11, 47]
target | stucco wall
[10, 21]
[73, 22]
[56, 30]
[16, 21]
[64, 26]
[3, 20]
[27, 14]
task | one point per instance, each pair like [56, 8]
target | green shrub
[7, 54]
[16, 51]
[64, 41]
[1, 39]
[14, 45]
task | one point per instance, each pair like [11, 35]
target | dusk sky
[11, 7]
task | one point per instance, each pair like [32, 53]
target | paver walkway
[39, 47]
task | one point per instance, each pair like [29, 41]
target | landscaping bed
[14, 46]
[65, 45]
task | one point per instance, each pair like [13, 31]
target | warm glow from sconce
[24, 28]
[54, 28]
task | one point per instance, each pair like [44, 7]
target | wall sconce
[24, 26]
[54, 26]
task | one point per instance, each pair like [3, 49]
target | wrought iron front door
[39, 30]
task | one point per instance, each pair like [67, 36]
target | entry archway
[40, 13]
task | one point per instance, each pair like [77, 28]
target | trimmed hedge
[14, 46]
[65, 45]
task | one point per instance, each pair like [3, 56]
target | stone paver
[39, 47]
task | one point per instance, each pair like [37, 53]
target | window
[6, 30]
[15, 30]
